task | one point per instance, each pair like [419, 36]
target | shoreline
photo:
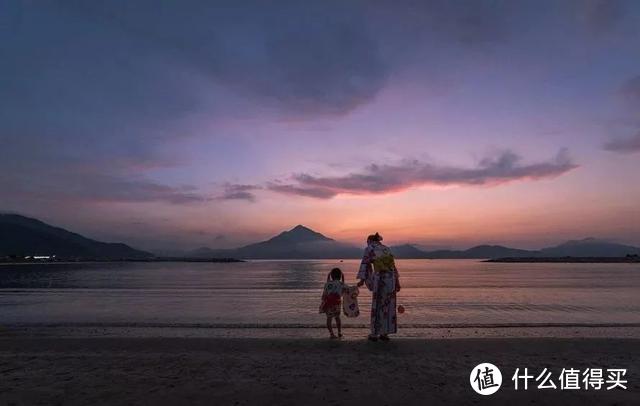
[566, 260]
[237, 371]
[351, 332]
[129, 260]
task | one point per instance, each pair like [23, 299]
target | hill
[589, 247]
[22, 236]
[480, 251]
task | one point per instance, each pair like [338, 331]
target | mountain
[480, 252]
[408, 251]
[589, 247]
[303, 243]
[298, 234]
[22, 236]
[202, 252]
[298, 243]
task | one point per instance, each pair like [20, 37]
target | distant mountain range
[303, 243]
[23, 236]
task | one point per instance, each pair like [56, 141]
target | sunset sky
[443, 123]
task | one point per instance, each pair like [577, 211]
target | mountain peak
[299, 234]
[300, 228]
[588, 240]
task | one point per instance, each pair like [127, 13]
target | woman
[378, 271]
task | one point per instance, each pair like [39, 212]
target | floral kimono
[332, 298]
[378, 270]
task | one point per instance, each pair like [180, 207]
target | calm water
[288, 292]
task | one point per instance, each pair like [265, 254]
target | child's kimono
[332, 298]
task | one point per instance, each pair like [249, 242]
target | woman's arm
[364, 273]
[397, 276]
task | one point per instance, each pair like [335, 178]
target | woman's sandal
[385, 338]
[372, 338]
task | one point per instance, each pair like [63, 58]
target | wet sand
[308, 371]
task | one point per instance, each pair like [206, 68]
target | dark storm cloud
[377, 179]
[239, 192]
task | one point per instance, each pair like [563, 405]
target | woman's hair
[335, 274]
[374, 237]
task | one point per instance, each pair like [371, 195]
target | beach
[76, 370]
[250, 334]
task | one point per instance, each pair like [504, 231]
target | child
[332, 299]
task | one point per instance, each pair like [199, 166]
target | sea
[286, 294]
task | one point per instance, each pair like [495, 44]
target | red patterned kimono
[378, 270]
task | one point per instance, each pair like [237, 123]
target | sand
[306, 371]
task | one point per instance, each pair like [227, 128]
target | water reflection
[439, 291]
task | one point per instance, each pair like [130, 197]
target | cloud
[379, 179]
[301, 190]
[98, 188]
[70, 180]
[113, 189]
[470, 23]
[630, 92]
[629, 145]
[308, 60]
[239, 192]
[139, 77]
[602, 15]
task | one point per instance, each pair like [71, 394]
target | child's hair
[335, 274]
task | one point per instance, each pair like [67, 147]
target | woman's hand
[397, 288]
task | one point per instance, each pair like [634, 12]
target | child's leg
[339, 325]
[329, 327]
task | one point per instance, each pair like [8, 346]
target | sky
[179, 124]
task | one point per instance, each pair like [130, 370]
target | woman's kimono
[378, 270]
